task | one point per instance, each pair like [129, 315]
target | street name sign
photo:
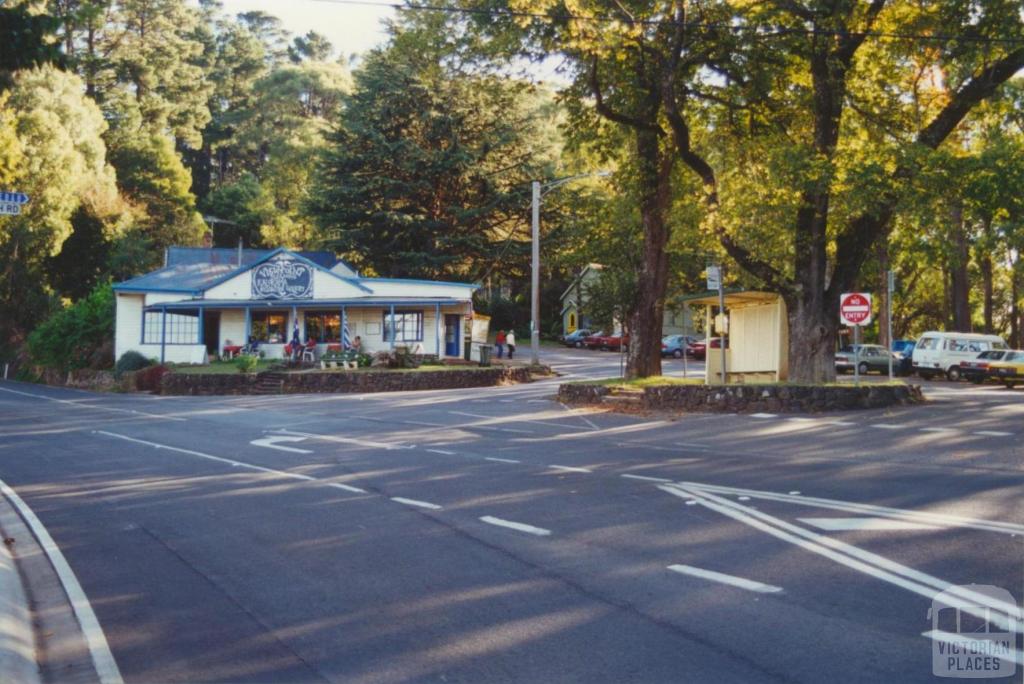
[10, 203]
[714, 278]
[855, 308]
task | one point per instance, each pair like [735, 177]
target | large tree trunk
[986, 278]
[1015, 321]
[960, 284]
[884, 334]
[648, 310]
[813, 326]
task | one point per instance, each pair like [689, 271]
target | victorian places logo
[974, 632]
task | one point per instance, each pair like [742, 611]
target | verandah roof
[360, 302]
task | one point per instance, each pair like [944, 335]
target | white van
[942, 352]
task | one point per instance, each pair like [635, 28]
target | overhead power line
[759, 31]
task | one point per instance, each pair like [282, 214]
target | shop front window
[406, 326]
[270, 327]
[323, 326]
[182, 327]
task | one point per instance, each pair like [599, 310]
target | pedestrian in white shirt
[510, 341]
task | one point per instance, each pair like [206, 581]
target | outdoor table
[232, 350]
[334, 347]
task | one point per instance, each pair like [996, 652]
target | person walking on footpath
[510, 340]
[499, 343]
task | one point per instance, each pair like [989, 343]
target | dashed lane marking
[570, 469]
[722, 578]
[876, 524]
[442, 452]
[414, 502]
[347, 488]
[943, 430]
[763, 415]
[501, 460]
[887, 426]
[994, 433]
[77, 404]
[520, 527]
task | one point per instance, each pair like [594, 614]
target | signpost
[715, 283]
[10, 203]
[855, 311]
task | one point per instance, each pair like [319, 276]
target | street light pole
[538, 191]
[535, 280]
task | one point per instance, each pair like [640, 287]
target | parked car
[613, 342]
[677, 345]
[575, 338]
[865, 358]
[905, 347]
[593, 340]
[976, 371]
[1009, 370]
[700, 347]
[942, 352]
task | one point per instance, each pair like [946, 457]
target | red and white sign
[855, 308]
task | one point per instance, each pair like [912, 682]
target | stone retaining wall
[346, 381]
[751, 398]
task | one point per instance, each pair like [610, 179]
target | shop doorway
[451, 334]
[211, 332]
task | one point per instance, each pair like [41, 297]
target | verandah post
[437, 330]
[391, 322]
[163, 334]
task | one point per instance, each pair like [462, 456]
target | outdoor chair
[309, 353]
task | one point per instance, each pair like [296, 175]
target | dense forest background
[850, 139]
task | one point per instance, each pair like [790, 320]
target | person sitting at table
[357, 345]
[253, 347]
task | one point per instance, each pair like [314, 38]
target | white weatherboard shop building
[206, 299]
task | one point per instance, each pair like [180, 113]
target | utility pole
[890, 286]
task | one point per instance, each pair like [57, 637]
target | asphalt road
[497, 535]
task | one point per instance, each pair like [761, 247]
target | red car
[601, 341]
[699, 348]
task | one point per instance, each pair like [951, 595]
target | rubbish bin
[467, 348]
[485, 354]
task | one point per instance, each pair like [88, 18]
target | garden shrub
[246, 363]
[71, 338]
[148, 379]
[130, 361]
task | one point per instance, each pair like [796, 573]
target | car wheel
[1010, 384]
[953, 373]
[678, 354]
[863, 367]
[579, 345]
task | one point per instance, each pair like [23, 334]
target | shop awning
[732, 298]
[364, 302]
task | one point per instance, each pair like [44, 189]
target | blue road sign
[14, 197]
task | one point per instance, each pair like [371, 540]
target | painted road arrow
[271, 443]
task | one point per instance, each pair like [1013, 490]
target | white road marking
[537, 418]
[732, 580]
[414, 502]
[994, 433]
[744, 498]
[843, 524]
[763, 415]
[639, 427]
[521, 527]
[940, 519]
[939, 429]
[347, 440]
[570, 469]
[802, 419]
[795, 492]
[442, 452]
[69, 402]
[966, 641]
[887, 426]
[576, 413]
[646, 478]
[851, 556]
[842, 423]
[501, 460]
[271, 443]
[96, 641]
[347, 488]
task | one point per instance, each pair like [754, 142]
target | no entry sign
[855, 308]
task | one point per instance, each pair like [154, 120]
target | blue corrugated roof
[181, 277]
